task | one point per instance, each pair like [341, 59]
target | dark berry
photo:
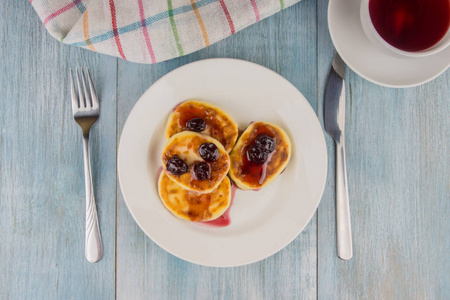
[176, 166]
[256, 154]
[209, 152]
[196, 124]
[265, 142]
[202, 171]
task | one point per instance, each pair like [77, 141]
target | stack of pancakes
[196, 199]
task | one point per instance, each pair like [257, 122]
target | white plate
[371, 62]
[263, 222]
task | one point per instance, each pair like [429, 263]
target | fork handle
[343, 225]
[93, 243]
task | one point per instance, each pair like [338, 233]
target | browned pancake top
[186, 145]
[193, 206]
[218, 124]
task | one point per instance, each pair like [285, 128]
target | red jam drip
[224, 220]
[160, 169]
[255, 173]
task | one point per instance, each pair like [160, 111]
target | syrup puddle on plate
[159, 172]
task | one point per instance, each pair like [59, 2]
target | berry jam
[160, 169]
[209, 152]
[188, 113]
[266, 143]
[255, 173]
[196, 125]
[224, 220]
[256, 154]
[176, 166]
[202, 171]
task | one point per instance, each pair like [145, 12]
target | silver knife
[334, 115]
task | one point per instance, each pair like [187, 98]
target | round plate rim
[322, 184]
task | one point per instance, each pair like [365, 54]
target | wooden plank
[399, 177]
[42, 206]
[285, 43]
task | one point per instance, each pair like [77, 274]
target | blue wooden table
[398, 146]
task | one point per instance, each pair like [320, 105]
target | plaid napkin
[149, 31]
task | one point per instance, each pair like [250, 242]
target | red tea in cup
[410, 25]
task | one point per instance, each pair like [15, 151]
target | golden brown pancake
[219, 124]
[248, 175]
[185, 144]
[193, 206]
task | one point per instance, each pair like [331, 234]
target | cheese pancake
[253, 164]
[192, 206]
[193, 170]
[205, 118]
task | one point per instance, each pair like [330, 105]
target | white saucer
[262, 222]
[371, 62]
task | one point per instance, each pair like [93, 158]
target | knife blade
[334, 120]
[334, 105]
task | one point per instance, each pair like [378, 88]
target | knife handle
[343, 225]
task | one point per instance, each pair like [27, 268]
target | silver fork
[86, 109]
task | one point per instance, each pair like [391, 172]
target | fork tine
[73, 94]
[94, 98]
[86, 94]
[80, 91]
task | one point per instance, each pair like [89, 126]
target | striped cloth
[150, 31]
